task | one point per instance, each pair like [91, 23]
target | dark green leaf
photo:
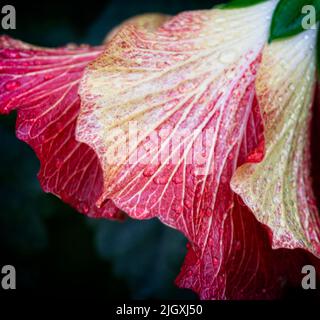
[287, 18]
[233, 4]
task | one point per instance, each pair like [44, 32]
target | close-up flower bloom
[201, 120]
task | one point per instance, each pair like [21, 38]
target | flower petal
[315, 144]
[184, 77]
[42, 85]
[146, 21]
[278, 189]
[171, 113]
[242, 265]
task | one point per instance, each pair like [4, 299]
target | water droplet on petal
[48, 76]
[170, 105]
[12, 85]
[71, 46]
[162, 64]
[41, 138]
[208, 212]
[26, 54]
[220, 20]
[227, 57]
[224, 179]
[58, 163]
[12, 54]
[230, 75]
[177, 179]
[149, 171]
[178, 209]
[160, 180]
[85, 208]
[188, 204]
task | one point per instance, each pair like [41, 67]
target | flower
[168, 112]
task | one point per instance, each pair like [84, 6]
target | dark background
[56, 250]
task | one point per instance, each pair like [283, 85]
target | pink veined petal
[171, 113]
[285, 90]
[42, 85]
[315, 140]
[246, 267]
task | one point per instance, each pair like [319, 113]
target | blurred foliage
[147, 254]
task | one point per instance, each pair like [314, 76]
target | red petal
[243, 265]
[42, 85]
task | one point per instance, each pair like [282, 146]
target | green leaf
[234, 4]
[287, 18]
